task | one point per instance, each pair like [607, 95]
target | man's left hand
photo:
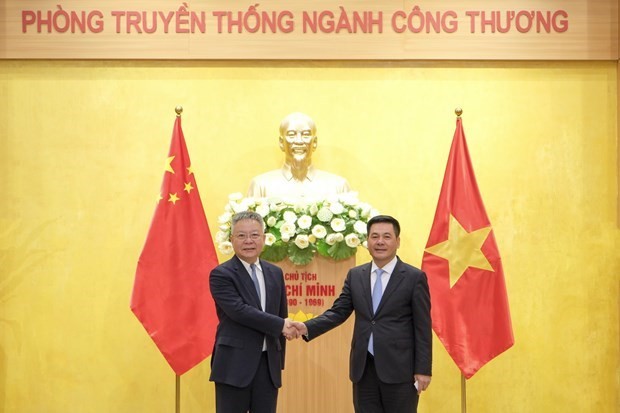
[423, 382]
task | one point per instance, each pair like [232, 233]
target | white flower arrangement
[301, 228]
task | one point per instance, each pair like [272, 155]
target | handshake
[293, 329]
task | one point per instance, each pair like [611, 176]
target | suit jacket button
[372, 322]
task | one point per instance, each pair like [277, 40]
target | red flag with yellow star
[171, 295]
[469, 302]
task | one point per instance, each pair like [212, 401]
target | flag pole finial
[458, 112]
[179, 110]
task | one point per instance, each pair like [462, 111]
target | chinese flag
[171, 295]
[469, 303]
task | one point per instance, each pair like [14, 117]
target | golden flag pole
[459, 112]
[463, 394]
[177, 396]
[177, 388]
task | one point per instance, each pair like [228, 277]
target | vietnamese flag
[171, 296]
[469, 303]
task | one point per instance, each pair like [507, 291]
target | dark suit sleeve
[422, 328]
[227, 297]
[336, 315]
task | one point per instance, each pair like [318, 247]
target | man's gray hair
[254, 216]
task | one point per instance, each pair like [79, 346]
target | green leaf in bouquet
[300, 256]
[322, 248]
[275, 252]
[340, 251]
[275, 231]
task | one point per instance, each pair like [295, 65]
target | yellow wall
[82, 146]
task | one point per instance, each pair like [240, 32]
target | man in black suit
[391, 350]
[250, 299]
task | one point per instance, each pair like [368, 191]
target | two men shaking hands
[391, 350]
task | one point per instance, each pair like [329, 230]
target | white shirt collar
[387, 268]
[247, 265]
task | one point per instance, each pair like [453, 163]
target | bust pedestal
[316, 374]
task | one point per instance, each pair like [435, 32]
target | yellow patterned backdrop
[82, 150]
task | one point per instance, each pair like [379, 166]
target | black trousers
[261, 396]
[370, 395]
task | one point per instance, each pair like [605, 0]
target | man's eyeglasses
[242, 236]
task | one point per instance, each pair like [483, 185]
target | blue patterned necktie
[255, 280]
[377, 293]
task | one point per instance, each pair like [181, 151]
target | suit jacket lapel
[366, 291]
[246, 282]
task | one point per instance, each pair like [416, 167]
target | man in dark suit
[391, 350]
[250, 299]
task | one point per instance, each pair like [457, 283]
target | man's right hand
[290, 330]
[301, 328]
